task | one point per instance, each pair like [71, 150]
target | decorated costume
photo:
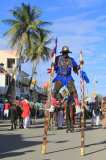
[63, 68]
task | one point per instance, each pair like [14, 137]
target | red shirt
[6, 106]
[26, 108]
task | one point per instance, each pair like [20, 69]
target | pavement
[25, 144]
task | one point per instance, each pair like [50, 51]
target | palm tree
[25, 32]
[40, 50]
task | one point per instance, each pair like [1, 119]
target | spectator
[6, 109]
[1, 109]
[19, 111]
[26, 113]
[96, 113]
[13, 115]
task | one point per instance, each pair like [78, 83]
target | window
[10, 62]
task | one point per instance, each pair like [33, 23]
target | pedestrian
[19, 111]
[13, 115]
[93, 116]
[60, 112]
[6, 109]
[96, 113]
[1, 109]
[52, 110]
[26, 113]
[103, 109]
[33, 113]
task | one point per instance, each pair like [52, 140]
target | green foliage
[27, 32]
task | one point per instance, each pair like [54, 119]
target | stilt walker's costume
[63, 68]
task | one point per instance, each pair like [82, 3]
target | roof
[8, 54]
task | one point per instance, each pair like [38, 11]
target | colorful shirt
[63, 68]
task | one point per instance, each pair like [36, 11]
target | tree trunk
[11, 91]
[33, 76]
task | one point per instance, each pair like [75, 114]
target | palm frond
[28, 30]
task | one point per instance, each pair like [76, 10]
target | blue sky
[80, 24]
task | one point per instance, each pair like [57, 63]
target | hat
[65, 49]
[6, 100]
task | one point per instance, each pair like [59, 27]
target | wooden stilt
[82, 148]
[47, 115]
[46, 125]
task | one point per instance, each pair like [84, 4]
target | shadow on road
[65, 149]
[97, 143]
[14, 154]
[41, 136]
[9, 143]
[95, 151]
[62, 141]
[36, 126]
[102, 142]
[61, 150]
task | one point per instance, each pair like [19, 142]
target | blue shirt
[63, 69]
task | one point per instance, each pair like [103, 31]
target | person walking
[13, 115]
[26, 113]
[19, 111]
[1, 109]
[96, 113]
[6, 109]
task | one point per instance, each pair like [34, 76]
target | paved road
[25, 144]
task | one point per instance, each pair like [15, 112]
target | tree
[25, 29]
[40, 51]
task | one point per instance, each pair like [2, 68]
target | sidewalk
[25, 144]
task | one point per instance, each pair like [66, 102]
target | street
[25, 144]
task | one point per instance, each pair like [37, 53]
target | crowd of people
[22, 113]
[65, 113]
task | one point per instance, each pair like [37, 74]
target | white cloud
[79, 31]
[78, 24]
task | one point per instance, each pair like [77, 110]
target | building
[22, 84]
[8, 61]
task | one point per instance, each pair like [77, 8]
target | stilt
[82, 148]
[47, 114]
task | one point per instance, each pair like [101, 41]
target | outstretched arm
[76, 67]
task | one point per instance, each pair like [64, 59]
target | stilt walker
[82, 149]
[46, 112]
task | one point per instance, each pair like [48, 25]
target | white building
[8, 60]
[8, 63]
